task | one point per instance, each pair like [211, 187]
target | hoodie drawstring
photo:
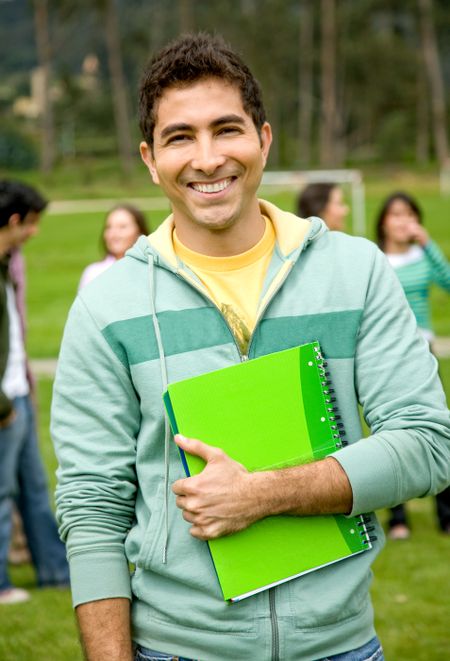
[164, 379]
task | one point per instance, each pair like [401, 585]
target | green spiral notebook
[268, 413]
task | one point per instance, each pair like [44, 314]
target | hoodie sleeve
[408, 452]
[94, 408]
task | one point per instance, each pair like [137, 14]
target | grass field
[412, 578]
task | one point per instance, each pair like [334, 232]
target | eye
[178, 138]
[229, 130]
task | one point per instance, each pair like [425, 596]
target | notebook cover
[267, 413]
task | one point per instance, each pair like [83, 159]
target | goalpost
[299, 179]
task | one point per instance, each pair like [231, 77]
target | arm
[105, 630]
[95, 421]
[439, 264]
[407, 455]
[225, 497]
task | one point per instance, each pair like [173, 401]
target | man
[22, 475]
[225, 278]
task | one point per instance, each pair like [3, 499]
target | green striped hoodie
[146, 320]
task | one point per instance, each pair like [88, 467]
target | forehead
[203, 100]
[119, 216]
[400, 206]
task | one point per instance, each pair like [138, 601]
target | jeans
[144, 654]
[371, 651]
[23, 478]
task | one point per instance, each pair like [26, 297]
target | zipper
[274, 625]
[243, 358]
[180, 274]
[268, 302]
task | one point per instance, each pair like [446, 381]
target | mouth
[213, 187]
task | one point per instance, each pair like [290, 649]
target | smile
[215, 187]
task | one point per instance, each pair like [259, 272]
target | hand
[219, 500]
[418, 233]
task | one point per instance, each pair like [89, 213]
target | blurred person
[123, 225]
[22, 475]
[419, 264]
[225, 278]
[325, 200]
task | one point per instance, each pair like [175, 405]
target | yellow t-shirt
[234, 283]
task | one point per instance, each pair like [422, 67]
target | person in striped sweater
[419, 263]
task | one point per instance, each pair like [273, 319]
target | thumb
[196, 447]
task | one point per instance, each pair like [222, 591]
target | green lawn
[412, 578]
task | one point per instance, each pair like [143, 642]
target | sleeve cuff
[366, 464]
[100, 575]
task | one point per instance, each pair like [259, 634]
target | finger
[188, 516]
[179, 487]
[198, 533]
[194, 446]
[180, 501]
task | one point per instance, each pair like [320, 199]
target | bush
[17, 150]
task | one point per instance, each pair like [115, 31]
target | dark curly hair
[188, 59]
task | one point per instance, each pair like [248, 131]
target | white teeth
[212, 188]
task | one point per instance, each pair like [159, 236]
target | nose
[207, 156]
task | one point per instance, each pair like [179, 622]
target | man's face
[208, 156]
[21, 231]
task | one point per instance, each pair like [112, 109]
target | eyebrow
[181, 126]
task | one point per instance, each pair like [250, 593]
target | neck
[223, 241]
[396, 247]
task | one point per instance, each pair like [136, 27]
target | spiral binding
[332, 410]
[338, 432]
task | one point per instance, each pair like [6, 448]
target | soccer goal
[349, 179]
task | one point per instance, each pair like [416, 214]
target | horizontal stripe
[336, 332]
[133, 340]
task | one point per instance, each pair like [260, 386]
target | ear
[147, 157]
[266, 141]
[14, 220]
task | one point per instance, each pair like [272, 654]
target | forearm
[318, 488]
[225, 498]
[105, 629]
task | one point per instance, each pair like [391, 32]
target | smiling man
[226, 278]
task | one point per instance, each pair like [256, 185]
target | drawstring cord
[162, 362]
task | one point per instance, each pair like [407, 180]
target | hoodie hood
[293, 234]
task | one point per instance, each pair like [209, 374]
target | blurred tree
[358, 92]
[305, 83]
[185, 15]
[435, 81]
[44, 53]
[108, 24]
[118, 84]
[422, 113]
[328, 83]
